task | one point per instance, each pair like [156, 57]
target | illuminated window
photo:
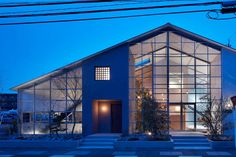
[102, 73]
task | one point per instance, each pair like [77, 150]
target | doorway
[107, 116]
[182, 116]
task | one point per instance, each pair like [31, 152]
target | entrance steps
[99, 141]
[198, 142]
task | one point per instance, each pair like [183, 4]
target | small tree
[70, 87]
[214, 116]
[211, 117]
[151, 116]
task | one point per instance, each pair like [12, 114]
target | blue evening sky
[28, 51]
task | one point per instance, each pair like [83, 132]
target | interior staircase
[196, 142]
[99, 141]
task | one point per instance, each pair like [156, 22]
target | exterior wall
[114, 89]
[228, 73]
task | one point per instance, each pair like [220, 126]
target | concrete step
[95, 147]
[99, 140]
[191, 143]
[190, 140]
[109, 136]
[188, 137]
[98, 143]
[192, 147]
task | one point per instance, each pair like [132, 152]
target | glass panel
[175, 125]
[175, 97]
[188, 126]
[187, 60]
[175, 60]
[175, 117]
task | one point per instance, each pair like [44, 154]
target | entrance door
[107, 116]
[116, 118]
[182, 116]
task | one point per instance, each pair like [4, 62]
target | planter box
[39, 144]
[222, 144]
[135, 145]
[4, 131]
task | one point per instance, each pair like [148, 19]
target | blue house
[181, 70]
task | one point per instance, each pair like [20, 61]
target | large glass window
[53, 105]
[181, 71]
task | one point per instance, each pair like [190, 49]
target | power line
[72, 8]
[94, 6]
[106, 18]
[52, 3]
[110, 10]
[88, 1]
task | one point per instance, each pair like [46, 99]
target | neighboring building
[179, 68]
[8, 102]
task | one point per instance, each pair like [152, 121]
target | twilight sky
[28, 51]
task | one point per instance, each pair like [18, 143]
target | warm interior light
[177, 108]
[149, 133]
[104, 108]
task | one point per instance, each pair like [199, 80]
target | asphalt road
[74, 152]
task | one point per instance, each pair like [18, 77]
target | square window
[102, 73]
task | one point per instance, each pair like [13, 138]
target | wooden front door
[116, 118]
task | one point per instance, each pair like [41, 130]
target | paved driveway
[111, 153]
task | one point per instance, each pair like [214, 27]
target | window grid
[102, 73]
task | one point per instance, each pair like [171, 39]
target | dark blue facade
[228, 73]
[114, 89]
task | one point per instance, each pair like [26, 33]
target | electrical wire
[111, 10]
[70, 8]
[18, 3]
[105, 18]
[53, 3]
[94, 6]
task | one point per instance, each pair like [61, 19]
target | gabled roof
[149, 34]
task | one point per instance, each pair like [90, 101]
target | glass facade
[52, 106]
[181, 74]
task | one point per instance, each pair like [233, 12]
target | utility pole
[228, 7]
